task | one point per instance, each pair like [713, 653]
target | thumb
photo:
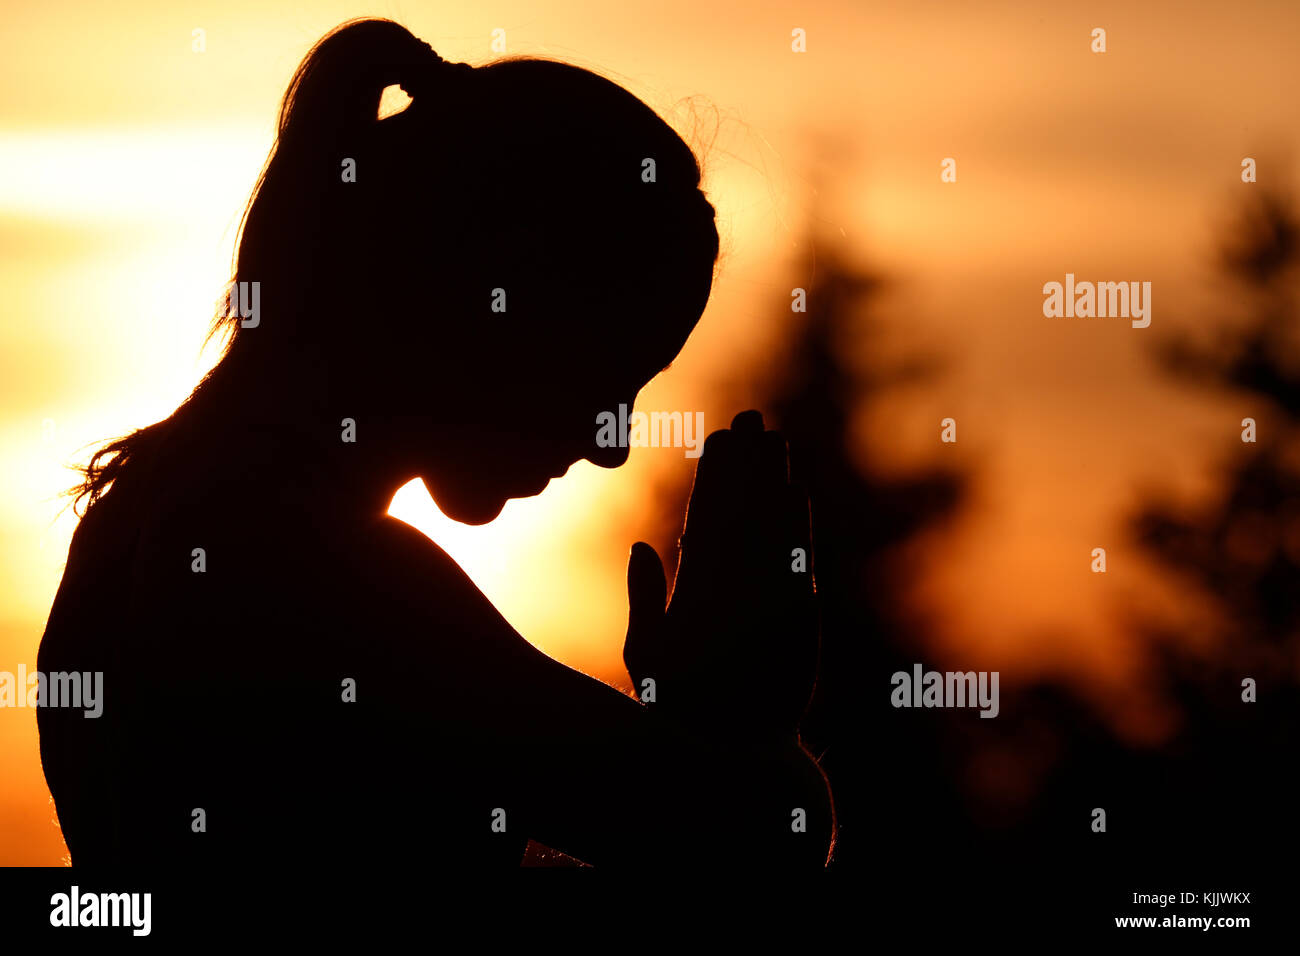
[646, 596]
[647, 585]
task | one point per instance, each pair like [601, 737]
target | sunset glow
[127, 160]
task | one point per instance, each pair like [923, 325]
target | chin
[481, 506]
[470, 509]
[479, 512]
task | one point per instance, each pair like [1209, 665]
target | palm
[737, 646]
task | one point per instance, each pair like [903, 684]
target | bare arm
[712, 769]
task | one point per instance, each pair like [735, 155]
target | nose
[604, 441]
[611, 457]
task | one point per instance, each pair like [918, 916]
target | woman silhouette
[453, 293]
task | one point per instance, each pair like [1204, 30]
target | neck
[357, 451]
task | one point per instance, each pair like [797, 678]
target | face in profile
[602, 274]
[540, 423]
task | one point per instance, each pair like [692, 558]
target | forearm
[632, 788]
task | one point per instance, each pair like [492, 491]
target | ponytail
[333, 99]
[337, 88]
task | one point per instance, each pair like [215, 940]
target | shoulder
[221, 550]
[410, 576]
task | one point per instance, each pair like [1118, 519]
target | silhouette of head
[474, 278]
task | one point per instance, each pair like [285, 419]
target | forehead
[616, 363]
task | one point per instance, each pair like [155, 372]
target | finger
[776, 458]
[747, 444]
[748, 422]
[716, 464]
[761, 480]
[714, 487]
[798, 538]
[768, 485]
[647, 586]
[762, 459]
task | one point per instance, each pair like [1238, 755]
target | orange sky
[127, 158]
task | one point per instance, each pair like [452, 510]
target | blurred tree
[1241, 551]
[1213, 804]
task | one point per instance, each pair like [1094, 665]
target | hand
[736, 650]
